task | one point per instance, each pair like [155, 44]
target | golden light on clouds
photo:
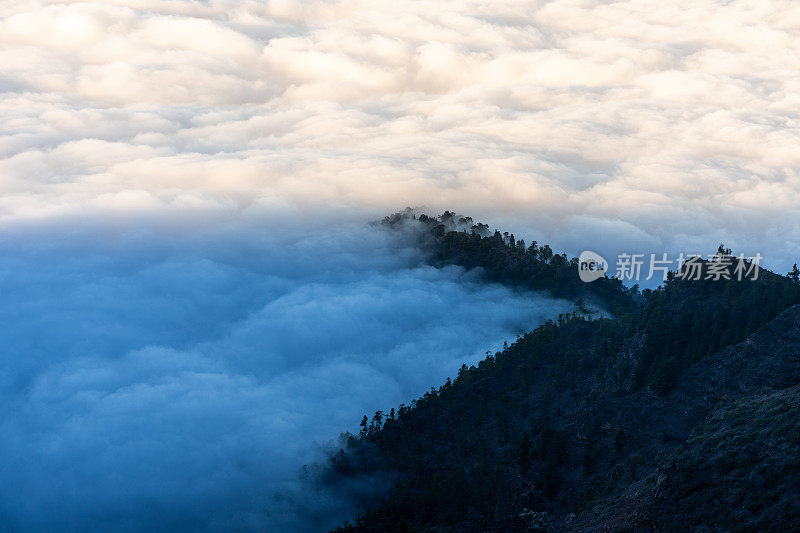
[655, 115]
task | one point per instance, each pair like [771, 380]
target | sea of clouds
[645, 125]
[173, 380]
[190, 296]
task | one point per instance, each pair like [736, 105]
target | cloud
[181, 382]
[652, 116]
[160, 161]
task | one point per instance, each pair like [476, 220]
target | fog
[157, 380]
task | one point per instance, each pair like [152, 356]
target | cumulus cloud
[180, 382]
[678, 120]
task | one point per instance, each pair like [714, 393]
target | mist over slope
[169, 379]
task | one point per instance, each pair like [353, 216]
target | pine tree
[794, 274]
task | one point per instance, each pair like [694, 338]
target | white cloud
[612, 110]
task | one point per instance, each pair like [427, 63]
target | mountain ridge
[587, 423]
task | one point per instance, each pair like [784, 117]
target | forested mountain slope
[679, 412]
[453, 239]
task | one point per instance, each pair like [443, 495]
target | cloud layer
[182, 386]
[643, 124]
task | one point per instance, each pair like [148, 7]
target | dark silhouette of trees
[794, 274]
[497, 439]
